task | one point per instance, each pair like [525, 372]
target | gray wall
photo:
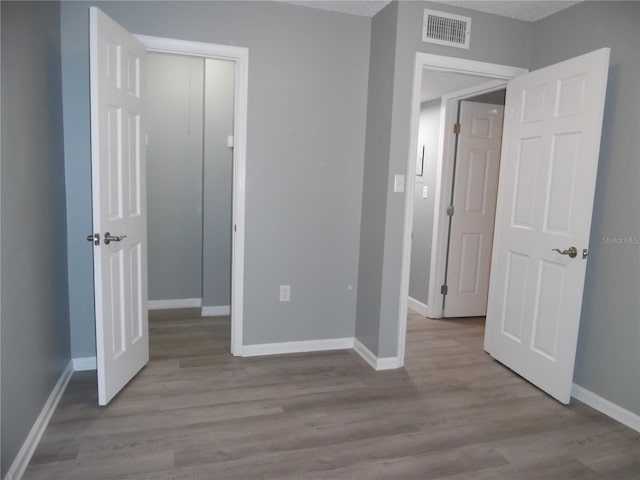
[35, 328]
[190, 114]
[218, 180]
[306, 122]
[77, 159]
[175, 104]
[494, 39]
[495, 98]
[376, 172]
[428, 135]
[608, 355]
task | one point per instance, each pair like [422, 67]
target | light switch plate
[398, 184]
[425, 191]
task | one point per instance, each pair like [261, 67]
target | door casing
[240, 56]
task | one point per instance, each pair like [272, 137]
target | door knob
[108, 238]
[571, 251]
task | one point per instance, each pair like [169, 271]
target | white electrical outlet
[425, 191]
[285, 293]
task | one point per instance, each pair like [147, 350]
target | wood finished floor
[195, 412]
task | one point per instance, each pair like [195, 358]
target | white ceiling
[364, 8]
[440, 83]
[528, 10]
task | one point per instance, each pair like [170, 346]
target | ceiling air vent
[446, 29]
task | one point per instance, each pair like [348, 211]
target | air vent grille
[446, 29]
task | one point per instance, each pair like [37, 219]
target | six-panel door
[119, 204]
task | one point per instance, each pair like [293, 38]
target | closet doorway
[190, 121]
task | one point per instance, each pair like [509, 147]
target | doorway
[189, 105]
[474, 78]
[240, 57]
[552, 125]
[471, 156]
[470, 207]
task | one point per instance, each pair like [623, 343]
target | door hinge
[444, 289]
[450, 210]
[456, 128]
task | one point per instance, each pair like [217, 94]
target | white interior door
[553, 124]
[474, 201]
[119, 204]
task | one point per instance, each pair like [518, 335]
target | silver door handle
[571, 251]
[108, 238]
[95, 238]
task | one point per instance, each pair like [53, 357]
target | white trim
[216, 311]
[82, 364]
[19, 465]
[297, 347]
[239, 193]
[603, 405]
[386, 363]
[444, 64]
[441, 63]
[174, 303]
[418, 306]
[198, 49]
[365, 353]
[389, 363]
[240, 56]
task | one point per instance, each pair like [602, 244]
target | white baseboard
[419, 307]
[603, 405]
[386, 363]
[19, 465]
[217, 311]
[297, 347]
[174, 303]
[84, 363]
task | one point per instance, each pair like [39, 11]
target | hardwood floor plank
[196, 412]
[552, 468]
[115, 466]
[623, 467]
[338, 464]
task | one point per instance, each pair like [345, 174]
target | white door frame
[240, 56]
[444, 182]
[436, 63]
